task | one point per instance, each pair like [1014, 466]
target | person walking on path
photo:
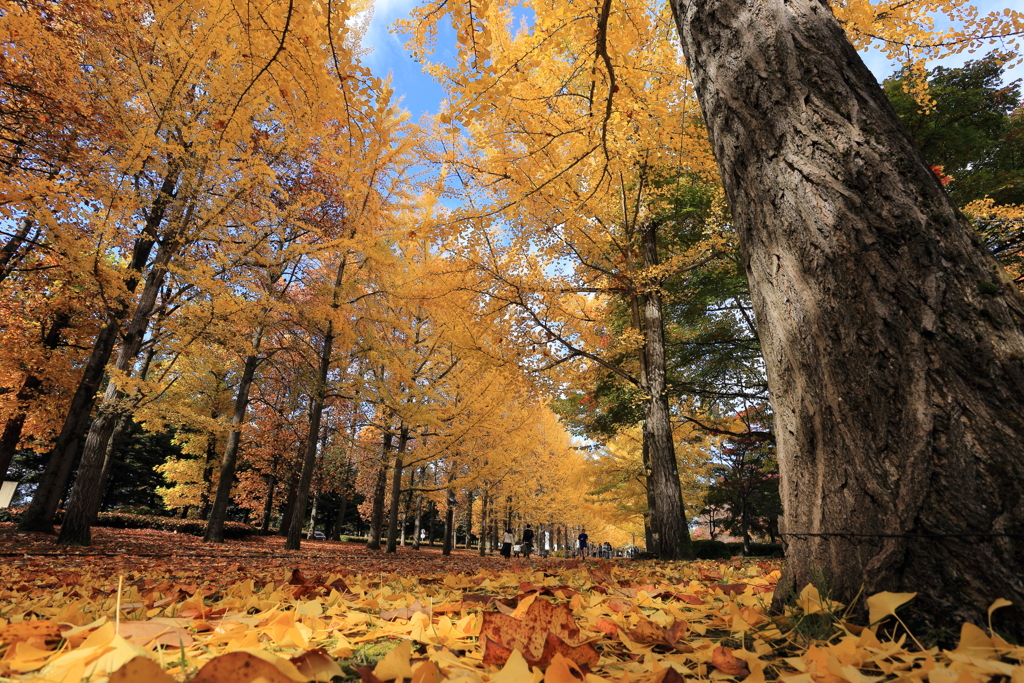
[506, 544]
[527, 541]
[583, 543]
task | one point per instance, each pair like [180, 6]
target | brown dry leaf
[41, 633]
[649, 633]
[723, 659]
[732, 588]
[151, 633]
[544, 630]
[606, 626]
[239, 667]
[140, 670]
[404, 612]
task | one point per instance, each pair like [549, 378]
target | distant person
[506, 544]
[527, 541]
[583, 543]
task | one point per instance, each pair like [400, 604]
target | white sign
[7, 492]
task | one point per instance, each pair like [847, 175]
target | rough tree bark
[87, 493]
[219, 513]
[379, 491]
[449, 520]
[61, 458]
[396, 490]
[893, 344]
[484, 521]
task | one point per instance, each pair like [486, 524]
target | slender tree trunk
[379, 492]
[668, 517]
[316, 411]
[449, 522]
[289, 502]
[339, 521]
[469, 517]
[396, 490]
[86, 495]
[894, 345]
[483, 522]
[215, 527]
[268, 505]
[61, 458]
[312, 515]
[123, 422]
[419, 514]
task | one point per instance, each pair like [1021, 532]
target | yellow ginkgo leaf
[396, 663]
[882, 605]
[516, 669]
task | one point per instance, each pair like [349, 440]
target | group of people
[526, 543]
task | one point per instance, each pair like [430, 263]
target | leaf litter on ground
[142, 606]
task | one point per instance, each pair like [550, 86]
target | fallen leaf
[882, 605]
[140, 670]
[317, 665]
[723, 659]
[404, 612]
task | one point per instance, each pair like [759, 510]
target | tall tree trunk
[317, 400]
[379, 492]
[312, 515]
[87, 494]
[268, 505]
[316, 411]
[339, 519]
[30, 386]
[483, 522]
[449, 522]
[289, 502]
[219, 513]
[669, 527]
[469, 517]
[396, 490]
[61, 458]
[893, 344]
[123, 422]
[418, 521]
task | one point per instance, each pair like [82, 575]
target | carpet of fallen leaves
[155, 607]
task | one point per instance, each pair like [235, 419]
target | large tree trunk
[483, 521]
[418, 520]
[87, 493]
[268, 503]
[219, 513]
[316, 411]
[379, 492]
[61, 458]
[893, 344]
[669, 528]
[396, 490]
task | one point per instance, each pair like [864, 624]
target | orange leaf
[724, 660]
[140, 669]
[239, 667]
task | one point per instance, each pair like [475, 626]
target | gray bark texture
[228, 463]
[893, 344]
[396, 490]
[671, 534]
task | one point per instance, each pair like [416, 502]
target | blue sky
[422, 95]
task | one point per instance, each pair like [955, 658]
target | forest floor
[142, 606]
